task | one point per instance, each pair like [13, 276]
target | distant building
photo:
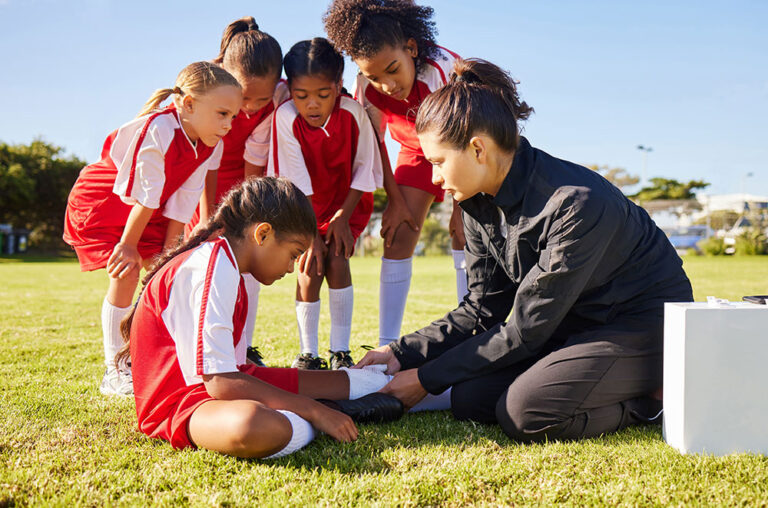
[738, 203]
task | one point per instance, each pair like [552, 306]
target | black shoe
[253, 354]
[375, 407]
[340, 359]
[646, 410]
[308, 361]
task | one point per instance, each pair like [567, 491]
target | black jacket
[563, 250]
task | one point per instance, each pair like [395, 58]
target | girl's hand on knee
[339, 236]
[395, 214]
[334, 423]
[123, 260]
[382, 355]
[314, 255]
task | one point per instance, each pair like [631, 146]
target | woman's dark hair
[247, 51]
[314, 57]
[274, 200]
[480, 97]
[361, 28]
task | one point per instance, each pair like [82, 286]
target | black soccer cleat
[375, 407]
[340, 359]
[308, 361]
[254, 355]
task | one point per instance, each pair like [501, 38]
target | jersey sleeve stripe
[204, 304]
[142, 135]
[436, 66]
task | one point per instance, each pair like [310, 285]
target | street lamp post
[743, 181]
[645, 150]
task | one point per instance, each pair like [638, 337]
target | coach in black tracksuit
[583, 271]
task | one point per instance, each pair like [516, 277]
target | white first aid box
[716, 377]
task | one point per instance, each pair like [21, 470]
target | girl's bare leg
[318, 384]
[243, 428]
[396, 266]
[404, 243]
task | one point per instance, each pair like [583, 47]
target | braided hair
[276, 201]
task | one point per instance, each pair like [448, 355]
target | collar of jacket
[512, 189]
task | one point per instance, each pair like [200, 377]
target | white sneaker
[117, 382]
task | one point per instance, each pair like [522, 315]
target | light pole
[645, 150]
[743, 181]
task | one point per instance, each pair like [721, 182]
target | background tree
[617, 176]
[35, 181]
[667, 188]
[720, 219]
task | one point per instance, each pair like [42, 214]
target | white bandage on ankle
[367, 380]
[303, 434]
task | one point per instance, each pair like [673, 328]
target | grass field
[62, 443]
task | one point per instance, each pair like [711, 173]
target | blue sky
[687, 78]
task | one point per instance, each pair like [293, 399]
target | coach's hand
[406, 387]
[124, 258]
[382, 355]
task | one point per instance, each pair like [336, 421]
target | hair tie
[467, 77]
[177, 90]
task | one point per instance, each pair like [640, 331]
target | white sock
[367, 380]
[395, 281]
[308, 316]
[303, 434]
[434, 402]
[111, 317]
[341, 302]
[460, 264]
[252, 287]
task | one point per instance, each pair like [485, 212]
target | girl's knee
[257, 431]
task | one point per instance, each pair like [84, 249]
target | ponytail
[195, 79]
[247, 51]
[480, 97]
[268, 199]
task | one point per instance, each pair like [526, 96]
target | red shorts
[94, 226]
[174, 428]
[357, 221]
[414, 170]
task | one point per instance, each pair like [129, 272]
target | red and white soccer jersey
[248, 140]
[189, 322]
[412, 168]
[326, 162]
[150, 161]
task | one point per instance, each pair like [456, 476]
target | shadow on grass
[437, 430]
[63, 257]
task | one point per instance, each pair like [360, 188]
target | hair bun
[467, 76]
[252, 25]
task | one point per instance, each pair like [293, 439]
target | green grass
[62, 443]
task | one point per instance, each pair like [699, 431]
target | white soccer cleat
[117, 382]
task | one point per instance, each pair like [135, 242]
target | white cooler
[716, 377]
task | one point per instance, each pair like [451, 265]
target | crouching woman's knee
[524, 418]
